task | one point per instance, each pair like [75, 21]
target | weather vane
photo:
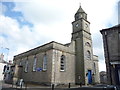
[80, 4]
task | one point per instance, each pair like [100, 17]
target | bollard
[52, 86]
[16, 84]
[69, 85]
[80, 84]
[26, 86]
[12, 84]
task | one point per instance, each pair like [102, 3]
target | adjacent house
[111, 40]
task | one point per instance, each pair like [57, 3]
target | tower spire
[80, 4]
[80, 13]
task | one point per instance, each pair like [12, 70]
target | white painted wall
[1, 70]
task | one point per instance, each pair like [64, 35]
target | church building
[56, 63]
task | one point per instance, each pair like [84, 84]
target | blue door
[89, 76]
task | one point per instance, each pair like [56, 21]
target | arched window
[62, 63]
[20, 63]
[94, 68]
[88, 44]
[34, 63]
[45, 62]
[26, 66]
[88, 55]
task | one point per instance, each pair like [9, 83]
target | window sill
[62, 70]
[33, 70]
[44, 70]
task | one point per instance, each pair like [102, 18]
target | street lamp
[7, 53]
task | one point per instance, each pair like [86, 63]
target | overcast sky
[26, 24]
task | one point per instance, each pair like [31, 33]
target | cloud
[19, 39]
[119, 12]
[45, 12]
[51, 20]
[15, 37]
[102, 66]
[2, 8]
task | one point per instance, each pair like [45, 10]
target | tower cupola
[80, 14]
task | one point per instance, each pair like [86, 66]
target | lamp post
[7, 53]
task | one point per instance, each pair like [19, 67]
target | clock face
[77, 25]
[81, 15]
[86, 25]
[76, 35]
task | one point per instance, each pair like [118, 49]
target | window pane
[45, 62]
[62, 63]
[88, 55]
[26, 66]
[34, 64]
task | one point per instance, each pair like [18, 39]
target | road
[4, 86]
[0, 85]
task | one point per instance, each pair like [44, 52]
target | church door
[89, 76]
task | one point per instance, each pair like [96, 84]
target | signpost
[39, 69]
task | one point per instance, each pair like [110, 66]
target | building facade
[111, 40]
[103, 77]
[56, 63]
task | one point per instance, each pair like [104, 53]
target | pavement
[5, 86]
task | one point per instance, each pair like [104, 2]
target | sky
[26, 24]
[119, 12]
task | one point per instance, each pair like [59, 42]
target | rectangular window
[34, 64]
[26, 66]
[45, 62]
[20, 63]
[62, 63]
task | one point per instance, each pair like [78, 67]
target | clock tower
[83, 48]
[80, 23]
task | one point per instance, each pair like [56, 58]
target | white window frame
[45, 62]
[62, 63]
[20, 63]
[26, 66]
[34, 63]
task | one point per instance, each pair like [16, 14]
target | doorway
[89, 76]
